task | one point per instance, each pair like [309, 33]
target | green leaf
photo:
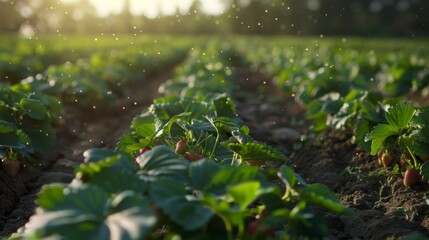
[14, 140]
[98, 154]
[161, 161]
[171, 196]
[244, 193]
[319, 195]
[379, 134]
[256, 151]
[230, 176]
[100, 173]
[241, 137]
[34, 108]
[224, 106]
[287, 175]
[86, 212]
[130, 143]
[50, 196]
[7, 127]
[167, 127]
[51, 103]
[41, 133]
[423, 117]
[363, 127]
[400, 115]
[132, 217]
[201, 173]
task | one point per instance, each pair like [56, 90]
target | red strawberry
[181, 146]
[192, 157]
[11, 167]
[143, 150]
[411, 177]
[252, 228]
[403, 159]
[402, 162]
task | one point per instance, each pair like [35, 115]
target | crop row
[21, 58]
[374, 94]
[188, 168]
[30, 109]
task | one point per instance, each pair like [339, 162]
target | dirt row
[384, 208]
[80, 129]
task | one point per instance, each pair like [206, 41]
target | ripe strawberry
[403, 159]
[143, 150]
[181, 146]
[11, 167]
[192, 157]
[402, 162]
[252, 227]
[411, 177]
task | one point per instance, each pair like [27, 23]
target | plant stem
[414, 158]
[228, 228]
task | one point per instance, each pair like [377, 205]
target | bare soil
[384, 207]
[80, 129]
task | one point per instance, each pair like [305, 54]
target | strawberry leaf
[201, 173]
[162, 161]
[7, 127]
[319, 195]
[245, 193]
[171, 196]
[41, 133]
[256, 151]
[224, 107]
[363, 127]
[87, 212]
[34, 108]
[400, 115]
[287, 175]
[233, 175]
[99, 173]
[423, 117]
[379, 134]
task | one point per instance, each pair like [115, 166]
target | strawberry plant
[406, 129]
[191, 198]
[26, 124]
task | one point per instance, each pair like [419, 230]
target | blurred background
[266, 17]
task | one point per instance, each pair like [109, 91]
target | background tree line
[297, 17]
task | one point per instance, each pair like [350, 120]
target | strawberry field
[162, 137]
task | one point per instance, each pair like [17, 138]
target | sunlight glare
[151, 8]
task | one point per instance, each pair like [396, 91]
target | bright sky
[151, 8]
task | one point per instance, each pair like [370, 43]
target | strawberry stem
[416, 165]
